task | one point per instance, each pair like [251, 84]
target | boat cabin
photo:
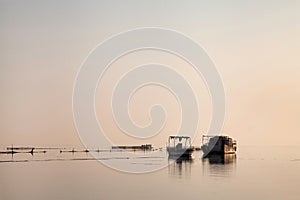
[179, 146]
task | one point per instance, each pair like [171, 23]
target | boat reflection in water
[219, 165]
[180, 167]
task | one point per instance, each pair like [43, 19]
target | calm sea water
[255, 173]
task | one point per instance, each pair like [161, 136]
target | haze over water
[255, 46]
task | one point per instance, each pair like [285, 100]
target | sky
[255, 46]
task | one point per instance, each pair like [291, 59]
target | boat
[179, 146]
[144, 147]
[219, 144]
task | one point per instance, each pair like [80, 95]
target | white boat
[179, 146]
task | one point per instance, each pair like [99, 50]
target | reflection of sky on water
[78, 176]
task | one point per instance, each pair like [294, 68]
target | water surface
[254, 173]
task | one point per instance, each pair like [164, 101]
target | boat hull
[173, 152]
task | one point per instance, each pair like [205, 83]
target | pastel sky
[254, 44]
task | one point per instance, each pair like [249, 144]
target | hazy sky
[254, 44]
